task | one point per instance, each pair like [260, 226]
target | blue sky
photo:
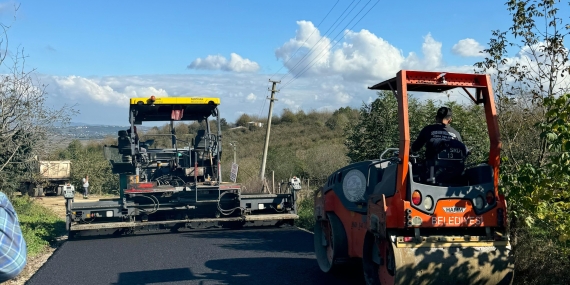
[98, 53]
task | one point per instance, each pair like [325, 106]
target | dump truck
[176, 187]
[46, 178]
[410, 220]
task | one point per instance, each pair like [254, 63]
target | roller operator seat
[447, 165]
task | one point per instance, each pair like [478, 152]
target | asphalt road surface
[276, 256]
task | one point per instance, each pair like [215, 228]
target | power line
[328, 47]
[306, 39]
[334, 39]
[322, 37]
[263, 106]
[310, 65]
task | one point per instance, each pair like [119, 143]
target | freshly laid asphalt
[276, 256]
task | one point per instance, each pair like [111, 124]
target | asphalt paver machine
[177, 187]
[409, 224]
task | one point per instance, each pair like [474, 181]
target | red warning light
[416, 197]
[490, 197]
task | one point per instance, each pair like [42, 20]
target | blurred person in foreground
[13, 249]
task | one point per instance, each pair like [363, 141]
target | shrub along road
[246, 256]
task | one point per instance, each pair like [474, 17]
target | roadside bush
[539, 259]
[90, 160]
[40, 225]
[306, 219]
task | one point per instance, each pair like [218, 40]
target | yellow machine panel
[173, 108]
[176, 101]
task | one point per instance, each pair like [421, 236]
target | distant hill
[79, 124]
[307, 145]
[82, 131]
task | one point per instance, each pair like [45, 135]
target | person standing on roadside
[86, 187]
[13, 248]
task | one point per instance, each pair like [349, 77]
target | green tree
[322, 160]
[90, 160]
[224, 124]
[542, 192]
[525, 76]
[341, 118]
[288, 116]
[377, 127]
[284, 162]
[243, 120]
[526, 85]
[301, 116]
[376, 130]
[337, 121]
[28, 123]
[529, 66]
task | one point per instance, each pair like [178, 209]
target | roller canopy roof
[425, 81]
[173, 108]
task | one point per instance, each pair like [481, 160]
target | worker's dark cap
[443, 112]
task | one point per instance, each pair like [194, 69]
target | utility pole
[268, 128]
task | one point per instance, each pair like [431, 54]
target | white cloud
[295, 52]
[525, 62]
[291, 104]
[218, 62]
[104, 100]
[432, 60]
[84, 89]
[337, 93]
[362, 56]
[339, 78]
[110, 95]
[468, 47]
[76, 87]
[251, 97]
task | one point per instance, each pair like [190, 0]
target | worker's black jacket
[432, 136]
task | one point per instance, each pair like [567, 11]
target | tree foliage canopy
[530, 87]
[26, 122]
[377, 127]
